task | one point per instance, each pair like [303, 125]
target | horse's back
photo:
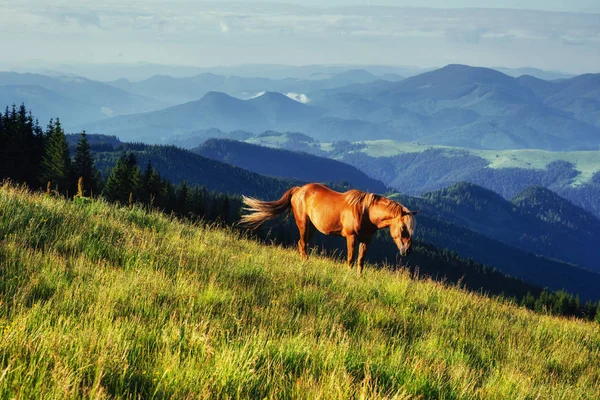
[322, 205]
[317, 195]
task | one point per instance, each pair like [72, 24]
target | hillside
[510, 260]
[100, 301]
[177, 90]
[469, 234]
[287, 164]
[178, 165]
[416, 168]
[479, 108]
[456, 105]
[84, 100]
[537, 220]
[213, 110]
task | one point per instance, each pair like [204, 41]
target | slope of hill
[507, 259]
[86, 100]
[457, 105]
[282, 110]
[480, 108]
[580, 96]
[548, 206]
[534, 72]
[287, 164]
[537, 220]
[100, 301]
[176, 90]
[178, 165]
[473, 87]
[48, 104]
[416, 168]
[214, 110]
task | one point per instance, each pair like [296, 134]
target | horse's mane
[363, 200]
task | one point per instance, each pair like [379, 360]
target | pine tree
[152, 186]
[124, 180]
[56, 164]
[21, 144]
[83, 166]
[183, 199]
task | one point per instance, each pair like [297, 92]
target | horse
[354, 214]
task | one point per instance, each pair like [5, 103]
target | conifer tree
[152, 186]
[83, 166]
[124, 179]
[183, 199]
[21, 144]
[56, 163]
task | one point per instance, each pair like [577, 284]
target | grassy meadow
[586, 162]
[100, 301]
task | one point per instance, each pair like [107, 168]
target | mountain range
[185, 89]
[456, 105]
[80, 99]
[214, 110]
[475, 107]
[536, 220]
[287, 164]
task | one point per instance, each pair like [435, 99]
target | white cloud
[224, 27]
[211, 33]
[299, 97]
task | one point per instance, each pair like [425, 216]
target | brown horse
[354, 215]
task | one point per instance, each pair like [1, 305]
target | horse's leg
[301, 222]
[305, 238]
[309, 232]
[350, 242]
[362, 251]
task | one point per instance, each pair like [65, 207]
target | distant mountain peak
[471, 72]
[273, 96]
[540, 196]
[213, 95]
[357, 74]
[471, 193]
[463, 187]
[549, 206]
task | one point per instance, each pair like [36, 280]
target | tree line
[41, 159]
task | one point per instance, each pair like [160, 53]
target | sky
[549, 34]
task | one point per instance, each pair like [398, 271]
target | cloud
[224, 27]
[199, 33]
[83, 19]
[465, 36]
[299, 97]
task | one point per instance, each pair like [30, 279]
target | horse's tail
[263, 211]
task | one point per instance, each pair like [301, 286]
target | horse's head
[402, 229]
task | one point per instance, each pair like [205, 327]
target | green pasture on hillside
[103, 301]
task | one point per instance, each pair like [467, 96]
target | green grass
[101, 301]
[586, 162]
[269, 141]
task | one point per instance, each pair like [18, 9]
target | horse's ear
[414, 212]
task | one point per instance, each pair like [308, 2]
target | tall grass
[101, 301]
